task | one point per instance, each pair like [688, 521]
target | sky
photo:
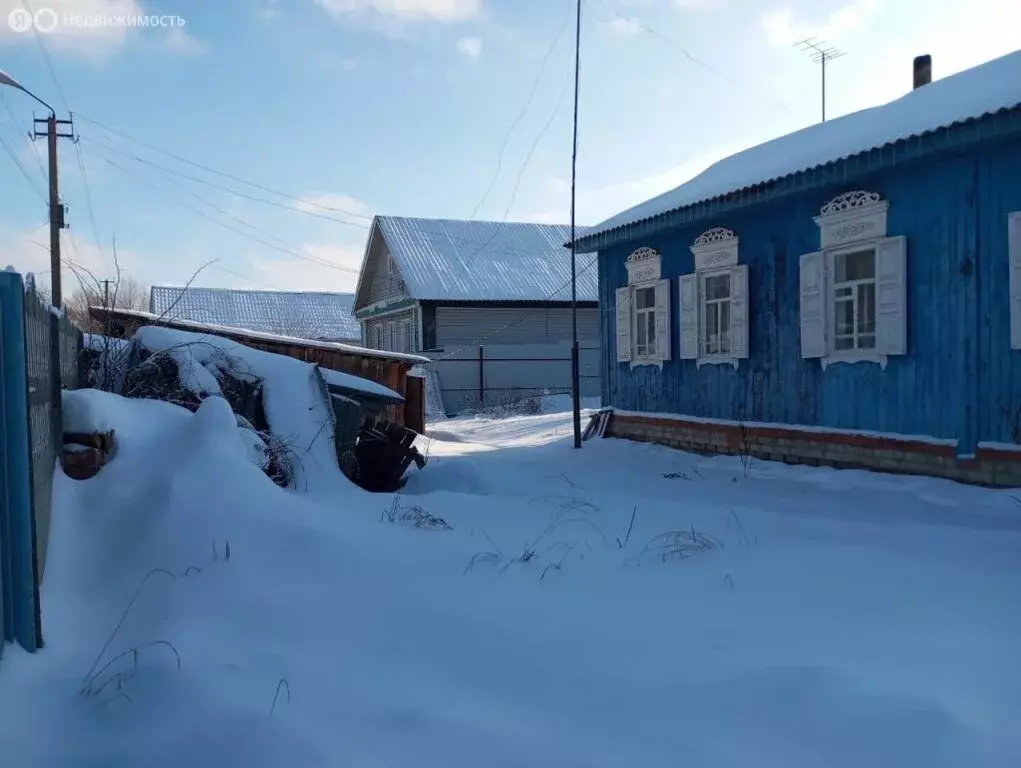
[247, 143]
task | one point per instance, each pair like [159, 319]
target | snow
[303, 314]
[844, 618]
[452, 260]
[57, 312]
[79, 414]
[985, 89]
[294, 396]
[927, 439]
[350, 381]
[993, 446]
[191, 325]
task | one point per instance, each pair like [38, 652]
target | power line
[215, 172]
[755, 91]
[214, 185]
[287, 250]
[17, 162]
[17, 132]
[521, 114]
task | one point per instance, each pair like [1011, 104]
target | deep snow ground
[841, 618]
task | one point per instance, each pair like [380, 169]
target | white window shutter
[663, 319]
[891, 296]
[1014, 249]
[689, 316]
[739, 311]
[623, 324]
[813, 305]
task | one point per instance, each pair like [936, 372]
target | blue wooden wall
[960, 378]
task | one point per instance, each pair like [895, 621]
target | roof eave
[988, 127]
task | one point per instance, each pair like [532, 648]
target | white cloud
[27, 250]
[597, 204]
[408, 10]
[784, 28]
[179, 41]
[470, 47]
[76, 30]
[335, 204]
[690, 5]
[291, 274]
[624, 26]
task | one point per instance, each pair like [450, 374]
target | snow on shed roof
[212, 328]
[486, 260]
[305, 315]
[985, 89]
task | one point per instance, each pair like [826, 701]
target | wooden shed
[391, 369]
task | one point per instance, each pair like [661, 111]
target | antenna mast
[820, 52]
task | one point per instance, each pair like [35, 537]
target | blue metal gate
[19, 592]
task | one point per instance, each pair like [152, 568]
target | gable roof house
[455, 290]
[849, 294]
[298, 314]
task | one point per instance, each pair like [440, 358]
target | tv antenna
[820, 52]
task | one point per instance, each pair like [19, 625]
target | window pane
[717, 287]
[844, 317]
[860, 265]
[712, 328]
[650, 319]
[725, 327]
[641, 338]
[645, 298]
[867, 342]
[867, 308]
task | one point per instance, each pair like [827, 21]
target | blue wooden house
[849, 294]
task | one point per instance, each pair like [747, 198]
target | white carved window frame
[716, 253]
[644, 270]
[856, 221]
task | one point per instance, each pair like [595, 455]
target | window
[643, 312]
[379, 337]
[716, 311]
[392, 337]
[1014, 286]
[714, 302]
[853, 292]
[645, 321]
[390, 269]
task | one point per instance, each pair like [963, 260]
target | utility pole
[106, 294]
[820, 53]
[575, 361]
[52, 132]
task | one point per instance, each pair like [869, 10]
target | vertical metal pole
[575, 362]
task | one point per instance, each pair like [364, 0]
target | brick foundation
[992, 466]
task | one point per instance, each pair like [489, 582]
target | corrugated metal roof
[445, 259]
[985, 89]
[303, 315]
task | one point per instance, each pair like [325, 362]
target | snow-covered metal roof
[305, 315]
[982, 90]
[444, 259]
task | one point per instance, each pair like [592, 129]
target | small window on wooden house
[714, 302]
[643, 312]
[854, 290]
[391, 337]
[378, 344]
[1014, 254]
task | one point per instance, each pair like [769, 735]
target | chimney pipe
[922, 70]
